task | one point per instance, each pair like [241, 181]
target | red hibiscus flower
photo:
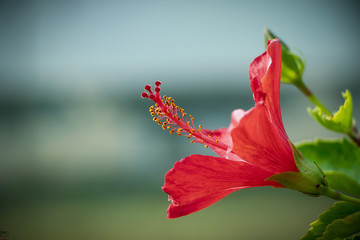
[253, 148]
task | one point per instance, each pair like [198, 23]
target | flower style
[253, 148]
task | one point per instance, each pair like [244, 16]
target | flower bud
[292, 66]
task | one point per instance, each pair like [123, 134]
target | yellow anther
[216, 141]
[169, 115]
[179, 131]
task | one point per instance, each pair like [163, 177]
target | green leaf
[341, 121]
[342, 182]
[339, 160]
[342, 228]
[339, 221]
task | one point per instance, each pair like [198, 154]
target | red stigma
[150, 94]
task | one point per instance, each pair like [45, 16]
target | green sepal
[338, 222]
[310, 169]
[339, 160]
[309, 180]
[341, 121]
[292, 66]
[298, 182]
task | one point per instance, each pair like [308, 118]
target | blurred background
[80, 157]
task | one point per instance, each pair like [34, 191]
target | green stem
[353, 135]
[339, 196]
[312, 98]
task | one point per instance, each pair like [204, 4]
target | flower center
[173, 118]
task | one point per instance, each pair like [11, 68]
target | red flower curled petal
[260, 137]
[198, 181]
[265, 73]
[260, 142]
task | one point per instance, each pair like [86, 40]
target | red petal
[264, 73]
[198, 181]
[223, 135]
[175, 211]
[259, 142]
